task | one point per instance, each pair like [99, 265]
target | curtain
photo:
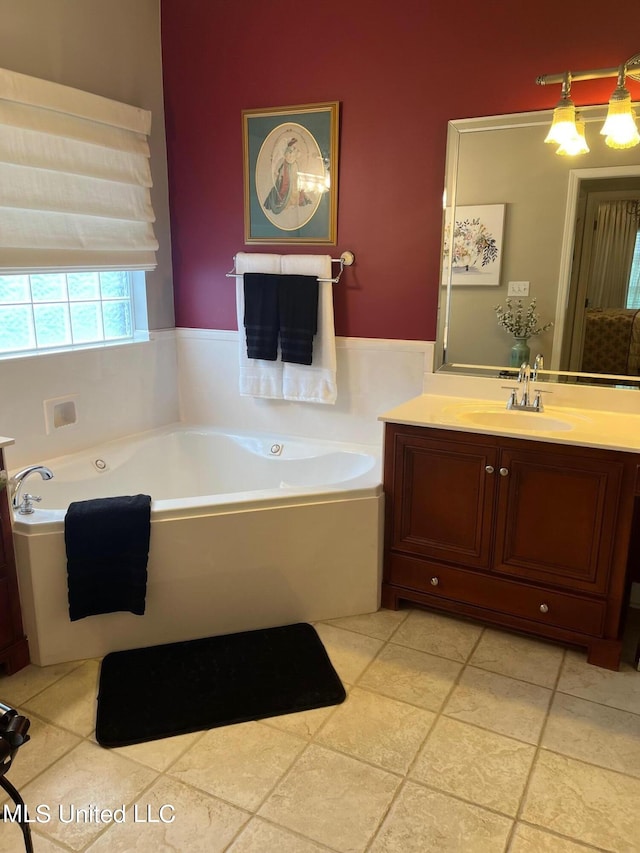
[74, 180]
[612, 256]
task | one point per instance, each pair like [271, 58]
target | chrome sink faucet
[524, 404]
[524, 379]
[538, 364]
[24, 505]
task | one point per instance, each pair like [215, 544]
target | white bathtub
[247, 531]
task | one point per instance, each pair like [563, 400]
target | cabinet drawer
[538, 604]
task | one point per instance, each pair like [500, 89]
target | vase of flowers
[523, 323]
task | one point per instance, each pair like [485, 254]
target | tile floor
[454, 737]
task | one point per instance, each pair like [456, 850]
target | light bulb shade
[620, 126]
[563, 127]
[575, 145]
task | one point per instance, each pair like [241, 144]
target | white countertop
[6, 442]
[557, 424]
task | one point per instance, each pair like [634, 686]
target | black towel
[107, 543]
[261, 314]
[298, 306]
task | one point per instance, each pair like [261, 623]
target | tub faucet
[24, 505]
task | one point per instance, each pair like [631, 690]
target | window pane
[52, 325]
[83, 285]
[14, 288]
[16, 329]
[114, 284]
[633, 292]
[49, 287]
[86, 322]
[47, 310]
[117, 319]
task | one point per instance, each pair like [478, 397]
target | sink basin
[513, 419]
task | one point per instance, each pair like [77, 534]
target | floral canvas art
[473, 247]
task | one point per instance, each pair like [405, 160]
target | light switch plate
[518, 288]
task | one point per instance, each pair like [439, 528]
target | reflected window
[633, 292]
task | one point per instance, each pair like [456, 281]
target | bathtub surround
[192, 375]
[117, 390]
[371, 374]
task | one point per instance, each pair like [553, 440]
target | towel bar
[345, 260]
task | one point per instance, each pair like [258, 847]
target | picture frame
[291, 174]
[477, 239]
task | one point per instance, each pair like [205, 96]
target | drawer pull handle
[434, 581]
[504, 472]
[489, 469]
[544, 608]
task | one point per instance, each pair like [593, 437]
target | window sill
[140, 337]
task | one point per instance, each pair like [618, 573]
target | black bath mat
[150, 693]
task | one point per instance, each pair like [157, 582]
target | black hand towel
[298, 303]
[261, 314]
[107, 543]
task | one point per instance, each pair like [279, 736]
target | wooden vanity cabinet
[14, 650]
[527, 535]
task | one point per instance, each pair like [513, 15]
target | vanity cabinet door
[440, 495]
[556, 517]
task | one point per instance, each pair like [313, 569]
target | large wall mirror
[567, 226]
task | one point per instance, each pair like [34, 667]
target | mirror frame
[456, 128]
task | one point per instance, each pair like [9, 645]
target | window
[633, 291]
[53, 310]
[76, 219]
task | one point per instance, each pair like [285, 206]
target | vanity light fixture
[563, 129]
[620, 126]
[575, 144]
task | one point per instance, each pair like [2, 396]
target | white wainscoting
[373, 375]
[117, 391]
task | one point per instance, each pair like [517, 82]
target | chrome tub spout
[24, 504]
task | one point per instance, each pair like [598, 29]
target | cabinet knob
[504, 472]
[434, 581]
[489, 469]
[544, 608]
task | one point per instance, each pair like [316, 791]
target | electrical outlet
[518, 288]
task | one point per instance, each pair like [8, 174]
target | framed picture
[477, 244]
[291, 174]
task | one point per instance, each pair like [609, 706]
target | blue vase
[520, 352]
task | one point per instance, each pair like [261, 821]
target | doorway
[602, 331]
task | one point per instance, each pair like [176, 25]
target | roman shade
[74, 180]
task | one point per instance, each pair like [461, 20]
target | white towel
[315, 382]
[258, 377]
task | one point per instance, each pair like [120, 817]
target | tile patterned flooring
[454, 737]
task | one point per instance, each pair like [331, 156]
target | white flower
[521, 322]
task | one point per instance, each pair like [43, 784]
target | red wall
[400, 71]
